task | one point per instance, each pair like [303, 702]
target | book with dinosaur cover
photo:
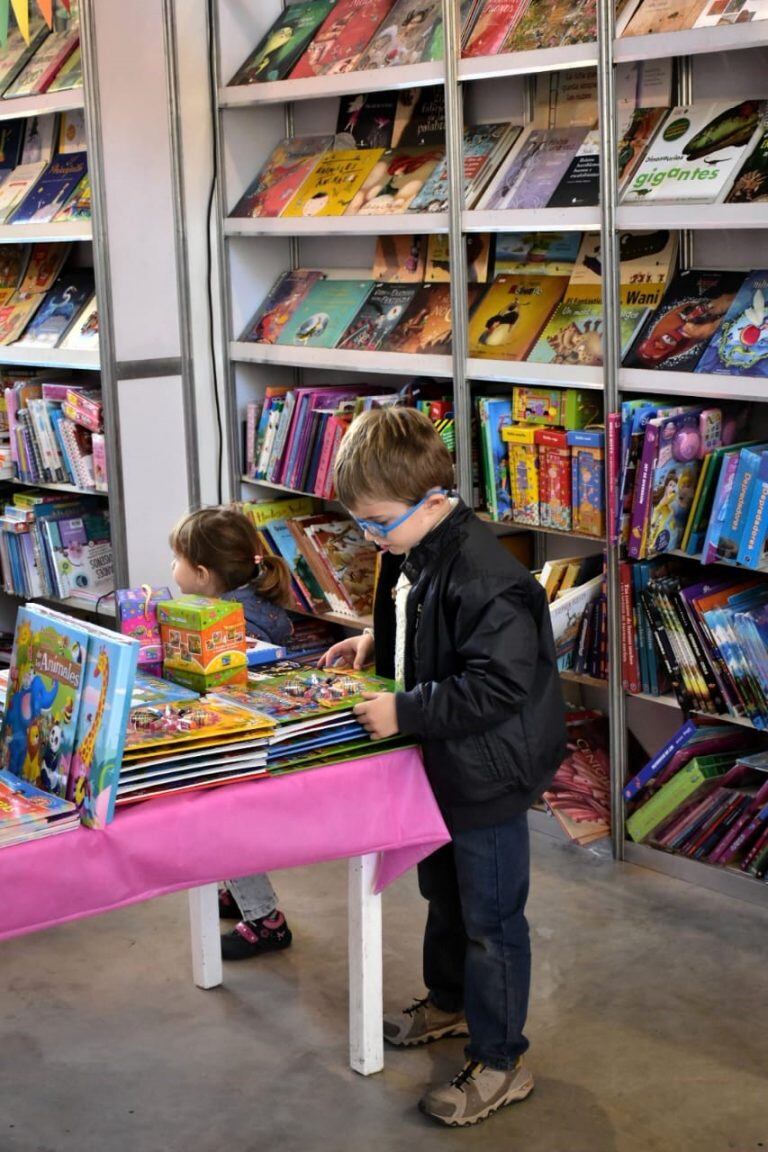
[740, 345]
[341, 39]
[751, 183]
[278, 306]
[403, 37]
[380, 313]
[696, 153]
[400, 259]
[394, 181]
[511, 314]
[331, 186]
[324, 314]
[273, 187]
[277, 52]
[534, 169]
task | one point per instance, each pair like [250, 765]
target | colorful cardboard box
[203, 637]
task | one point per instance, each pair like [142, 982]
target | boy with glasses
[464, 630]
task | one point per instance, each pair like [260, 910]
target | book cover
[438, 266]
[426, 325]
[695, 153]
[15, 52]
[45, 263]
[731, 12]
[658, 16]
[40, 138]
[27, 809]
[495, 414]
[70, 75]
[403, 37]
[380, 313]
[78, 207]
[680, 789]
[37, 75]
[394, 181]
[330, 187]
[534, 169]
[342, 37]
[81, 555]
[14, 261]
[72, 132]
[400, 259]
[674, 337]
[751, 551]
[672, 480]
[426, 122]
[272, 189]
[542, 253]
[11, 138]
[740, 345]
[17, 184]
[642, 127]
[44, 689]
[325, 313]
[280, 48]
[62, 304]
[497, 18]
[751, 183]
[83, 334]
[349, 558]
[580, 183]
[511, 314]
[15, 317]
[278, 306]
[375, 119]
[49, 195]
[572, 335]
[551, 23]
[482, 142]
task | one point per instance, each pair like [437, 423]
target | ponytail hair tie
[257, 565]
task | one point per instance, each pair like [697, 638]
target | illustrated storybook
[379, 315]
[16, 51]
[279, 304]
[492, 26]
[27, 812]
[377, 119]
[657, 16]
[740, 345]
[190, 722]
[341, 39]
[403, 36]
[484, 144]
[306, 694]
[45, 263]
[332, 184]
[426, 325]
[83, 335]
[751, 183]
[52, 190]
[277, 52]
[78, 207]
[323, 316]
[395, 180]
[552, 23]
[512, 313]
[731, 12]
[534, 169]
[400, 259]
[273, 187]
[59, 309]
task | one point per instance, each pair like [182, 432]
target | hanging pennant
[46, 11]
[67, 4]
[3, 22]
[21, 12]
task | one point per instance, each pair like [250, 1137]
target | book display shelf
[251, 119]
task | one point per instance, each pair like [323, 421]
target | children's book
[479, 246]
[72, 133]
[61, 306]
[375, 119]
[380, 313]
[332, 184]
[495, 414]
[27, 812]
[730, 12]
[484, 145]
[658, 16]
[78, 207]
[325, 313]
[696, 153]
[189, 723]
[426, 123]
[426, 325]
[70, 75]
[403, 36]
[552, 23]
[15, 52]
[83, 335]
[281, 302]
[532, 172]
[540, 253]
[81, 555]
[40, 139]
[493, 25]
[46, 261]
[36, 76]
[580, 184]
[14, 261]
[15, 317]
[740, 345]
[44, 688]
[281, 177]
[751, 184]
[511, 314]
[306, 694]
[277, 52]
[400, 259]
[348, 558]
[17, 184]
[635, 138]
[394, 181]
[11, 139]
[674, 337]
[342, 37]
[52, 190]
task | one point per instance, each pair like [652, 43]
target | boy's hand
[378, 715]
[355, 652]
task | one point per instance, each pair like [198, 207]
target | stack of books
[44, 170]
[29, 813]
[46, 61]
[579, 797]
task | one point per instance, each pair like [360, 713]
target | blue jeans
[477, 951]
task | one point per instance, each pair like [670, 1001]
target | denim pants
[477, 950]
[254, 896]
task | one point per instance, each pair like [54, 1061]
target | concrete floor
[649, 1028]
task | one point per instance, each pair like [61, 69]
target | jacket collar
[443, 538]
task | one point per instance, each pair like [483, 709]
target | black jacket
[482, 690]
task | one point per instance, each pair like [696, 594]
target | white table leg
[366, 1041]
[204, 933]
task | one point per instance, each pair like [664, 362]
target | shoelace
[467, 1073]
[415, 1006]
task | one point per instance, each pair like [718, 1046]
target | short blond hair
[391, 454]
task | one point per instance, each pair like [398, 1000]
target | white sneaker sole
[428, 1038]
[513, 1097]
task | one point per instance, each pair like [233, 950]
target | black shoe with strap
[255, 937]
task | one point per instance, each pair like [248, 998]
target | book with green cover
[278, 51]
[324, 315]
[676, 792]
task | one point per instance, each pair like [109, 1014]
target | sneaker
[476, 1093]
[228, 909]
[423, 1022]
[255, 937]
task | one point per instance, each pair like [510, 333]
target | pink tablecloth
[381, 804]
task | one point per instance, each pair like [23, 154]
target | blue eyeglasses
[384, 530]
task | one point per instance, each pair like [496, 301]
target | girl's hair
[226, 541]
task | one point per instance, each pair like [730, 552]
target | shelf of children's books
[358, 623]
[24, 233]
[283, 488]
[709, 386]
[513, 526]
[540, 820]
[389, 363]
[106, 604]
[39, 105]
[48, 358]
[696, 559]
[523, 63]
[532, 219]
[56, 487]
[421, 223]
[729, 882]
[670, 701]
[322, 87]
[691, 216]
[692, 41]
[584, 680]
[527, 372]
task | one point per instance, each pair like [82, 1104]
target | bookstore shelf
[421, 223]
[527, 372]
[398, 363]
[26, 233]
[48, 358]
[40, 105]
[695, 385]
[511, 526]
[56, 487]
[692, 42]
[584, 680]
[527, 63]
[635, 217]
[106, 606]
[533, 220]
[283, 488]
[672, 702]
[358, 623]
[728, 881]
[322, 87]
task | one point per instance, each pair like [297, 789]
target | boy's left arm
[497, 643]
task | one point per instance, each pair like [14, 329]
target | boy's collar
[435, 542]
